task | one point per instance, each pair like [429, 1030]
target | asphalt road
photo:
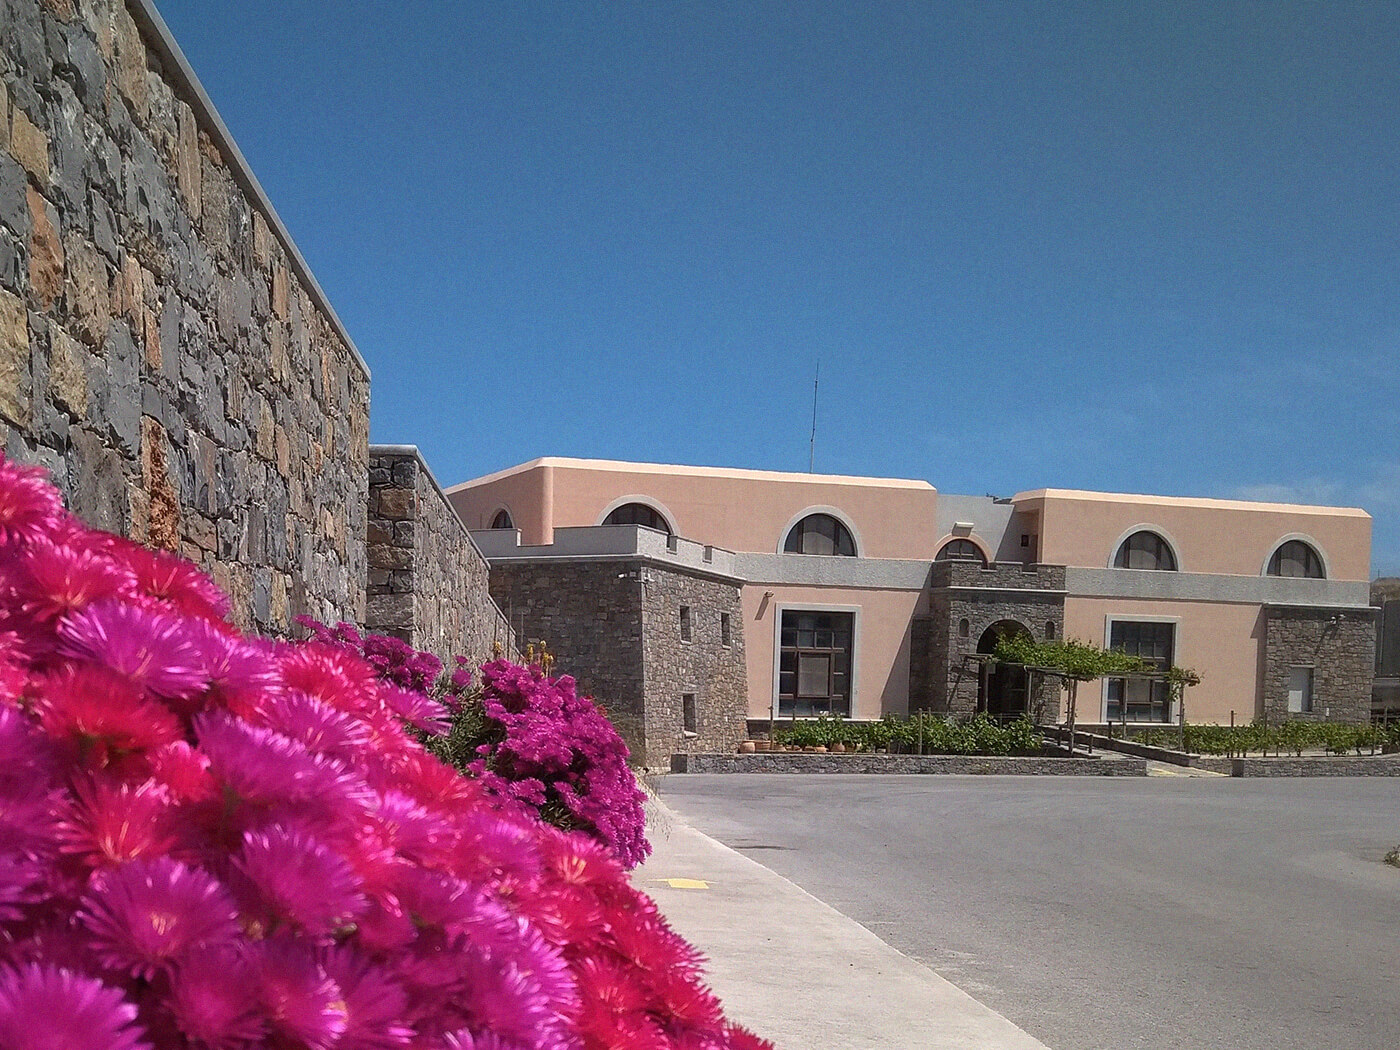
[1105, 914]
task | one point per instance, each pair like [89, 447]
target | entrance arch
[1003, 691]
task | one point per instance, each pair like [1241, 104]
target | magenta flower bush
[548, 746]
[215, 842]
[527, 737]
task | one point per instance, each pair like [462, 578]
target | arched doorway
[1002, 691]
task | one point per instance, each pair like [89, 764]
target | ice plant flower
[147, 914]
[213, 842]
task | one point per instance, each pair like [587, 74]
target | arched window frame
[645, 501]
[1172, 547]
[495, 516]
[856, 543]
[1297, 537]
[982, 552]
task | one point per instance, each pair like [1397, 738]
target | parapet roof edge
[149, 19]
[624, 466]
[1198, 502]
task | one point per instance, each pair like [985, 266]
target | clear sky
[1142, 247]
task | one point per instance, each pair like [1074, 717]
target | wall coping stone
[416, 453]
[964, 765]
[158, 34]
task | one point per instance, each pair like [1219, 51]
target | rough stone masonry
[163, 350]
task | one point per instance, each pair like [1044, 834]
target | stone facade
[965, 599]
[163, 350]
[1340, 647]
[614, 624]
[706, 667]
[427, 583]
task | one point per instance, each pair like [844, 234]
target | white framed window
[1300, 690]
[1140, 699]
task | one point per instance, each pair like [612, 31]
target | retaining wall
[427, 582]
[1335, 766]
[164, 350]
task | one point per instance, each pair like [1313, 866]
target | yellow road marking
[686, 884]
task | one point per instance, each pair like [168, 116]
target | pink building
[870, 596]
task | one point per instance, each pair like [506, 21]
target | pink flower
[239, 673]
[303, 1004]
[146, 914]
[86, 704]
[177, 583]
[29, 504]
[55, 579]
[323, 729]
[273, 771]
[47, 1008]
[299, 880]
[111, 823]
[375, 1004]
[150, 648]
[214, 999]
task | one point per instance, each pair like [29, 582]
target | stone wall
[1031, 595]
[427, 582]
[164, 350]
[1335, 766]
[589, 616]
[614, 625]
[703, 667]
[1340, 647]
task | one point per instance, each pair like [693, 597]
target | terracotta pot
[839, 749]
[746, 747]
[763, 745]
[810, 750]
[820, 749]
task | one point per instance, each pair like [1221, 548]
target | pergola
[985, 661]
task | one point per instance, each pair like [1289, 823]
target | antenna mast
[812, 448]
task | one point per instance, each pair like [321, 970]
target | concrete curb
[794, 969]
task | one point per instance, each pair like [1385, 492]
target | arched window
[1145, 550]
[502, 520]
[820, 534]
[638, 514]
[1050, 629]
[964, 628]
[960, 550]
[1296, 558]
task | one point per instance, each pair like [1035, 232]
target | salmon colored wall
[882, 643]
[1223, 642]
[751, 514]
[523, 494]
[1209, 536]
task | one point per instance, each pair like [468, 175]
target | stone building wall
[614, 624]
[1340, 646]
[164, 350]
[1031, 595]
[589, 616]
[704, 667]
[427, 582]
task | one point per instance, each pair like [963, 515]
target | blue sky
[1135, 247]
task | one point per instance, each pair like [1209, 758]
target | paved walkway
[797, 971]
